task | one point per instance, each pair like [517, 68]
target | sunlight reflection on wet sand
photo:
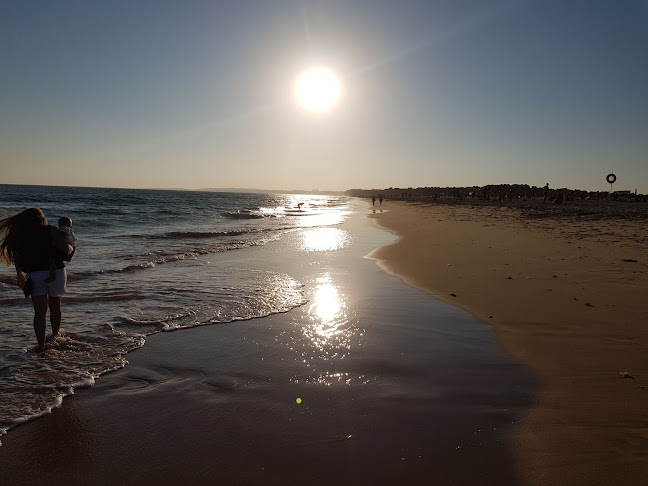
[326, 336]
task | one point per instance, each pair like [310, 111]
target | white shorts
[53, 289]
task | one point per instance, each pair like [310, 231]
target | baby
[65, 226]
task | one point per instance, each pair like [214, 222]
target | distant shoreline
[501, 194]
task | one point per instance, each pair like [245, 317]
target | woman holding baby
[36, 249]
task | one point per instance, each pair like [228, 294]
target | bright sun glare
[317, 89]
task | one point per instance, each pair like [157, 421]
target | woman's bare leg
[55, 314]
[40, 313]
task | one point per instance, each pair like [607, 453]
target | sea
[147, 262]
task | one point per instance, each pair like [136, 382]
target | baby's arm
[71, 239]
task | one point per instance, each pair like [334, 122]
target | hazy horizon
[163, 94]
[253, 190]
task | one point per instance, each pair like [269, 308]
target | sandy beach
[566, 295]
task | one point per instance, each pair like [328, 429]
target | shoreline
[566, 298]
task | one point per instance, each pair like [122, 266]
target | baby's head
[65, 221]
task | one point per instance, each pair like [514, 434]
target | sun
[317, 89]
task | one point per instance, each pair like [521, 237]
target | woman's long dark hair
[20, 230]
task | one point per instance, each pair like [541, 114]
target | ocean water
[147, 261]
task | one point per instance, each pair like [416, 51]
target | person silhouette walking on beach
[28, 244]
[373, 200]
[380, 198]
[64, 225]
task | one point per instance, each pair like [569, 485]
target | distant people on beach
[380, 198]
[65, 226]
[373, 199]
[29, 244]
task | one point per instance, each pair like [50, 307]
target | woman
[29, 244]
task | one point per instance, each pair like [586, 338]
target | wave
[187, 234]
[171, 258]
[107, 297]
[203, 234]
[209, 234]
[246, 214]
[193, 254]
[13, 300]
[258, 294]
[77, 275]
[300, 212]
[80, 298]
[9, 281]
[139, 266]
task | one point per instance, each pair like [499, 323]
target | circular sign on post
[611, 178]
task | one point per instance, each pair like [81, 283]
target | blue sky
[196, 94]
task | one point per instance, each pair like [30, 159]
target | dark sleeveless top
[37, 250]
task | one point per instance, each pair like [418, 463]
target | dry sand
[567, 293]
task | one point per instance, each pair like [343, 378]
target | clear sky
[196, 94]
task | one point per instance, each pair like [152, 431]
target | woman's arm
[20, 278]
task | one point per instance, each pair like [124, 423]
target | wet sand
[395, 388]
[566, 292]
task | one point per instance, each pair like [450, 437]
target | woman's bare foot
[51, 338]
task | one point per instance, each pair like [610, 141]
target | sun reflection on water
[327, 309]
[326, 336]
[324, 239]
[310, 211]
